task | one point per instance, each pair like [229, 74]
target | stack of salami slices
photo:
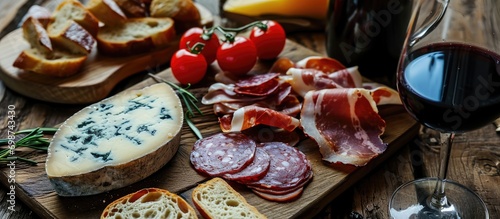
[273, 170]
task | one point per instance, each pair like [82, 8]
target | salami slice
[282, 192]
[222, 153]
[253, 172]
[289, 167]
[288, 197]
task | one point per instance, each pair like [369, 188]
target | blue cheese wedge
[115, 142]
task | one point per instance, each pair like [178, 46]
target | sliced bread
[72, 37]
[73, 10]
[135, 36]
[42, 14]
[56, 63]
[107, 11]
[149, 203]
[176, 9]
[184, 12]
[217, 199]
[133, 8]
[36, 35]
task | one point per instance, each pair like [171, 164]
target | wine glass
[449, 80]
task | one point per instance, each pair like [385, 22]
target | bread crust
[42, 14]
[84, 17]
[133, 8]
[36, 35]
[58, 63]
[73, 38]
[184, 12]
[107, 11]
[215, 185]
[150, 195]
[158, 39]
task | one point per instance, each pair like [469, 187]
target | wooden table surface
[474, 162]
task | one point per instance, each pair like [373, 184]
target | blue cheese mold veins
[115, 142]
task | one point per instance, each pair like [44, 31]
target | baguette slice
[42, 14]
[72, 37]
[133, 8]
[136, 35]
[177, 9]
[57, 63]
[149, 203]
[36, 35]
[184, 12]
[107, 11]
[217, 199]
[73, 10]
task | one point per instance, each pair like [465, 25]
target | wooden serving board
[34, 188]
[95, 80]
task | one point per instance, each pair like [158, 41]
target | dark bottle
[369, 34]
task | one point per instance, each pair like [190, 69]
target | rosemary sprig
[189, 101]
[34, 139]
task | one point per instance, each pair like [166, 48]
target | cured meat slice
[289, 167]
[304, 80]
[258, 85]
[261, 134]
[256, 80]
[287, 197]
[347, 78]
[250, 116]
[382, 94]
[222, 153]
[345, 123]
[285, 191]
[324, 64]
[219, 92]
[253, 172]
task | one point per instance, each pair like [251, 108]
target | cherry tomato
[193, 36]
[269, 43]
[187, 67]
[237, 57]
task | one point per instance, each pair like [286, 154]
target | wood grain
[96, 79]
[98, 76]
[179, 177]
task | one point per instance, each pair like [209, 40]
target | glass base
[412, 200]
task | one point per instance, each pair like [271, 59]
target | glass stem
[438, 199]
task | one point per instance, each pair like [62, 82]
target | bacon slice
[304, 80]
[345, 123]
[250, 116]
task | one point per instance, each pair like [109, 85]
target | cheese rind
[115, 142]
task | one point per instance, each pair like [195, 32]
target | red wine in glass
[451, 87]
